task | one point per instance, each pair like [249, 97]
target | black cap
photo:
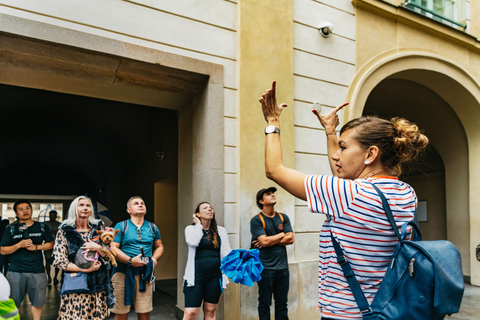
[262, 191]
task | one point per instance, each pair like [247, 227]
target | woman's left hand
[91, 246]
[271, 111]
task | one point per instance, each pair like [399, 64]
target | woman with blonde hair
[76, 233]
[369, 151]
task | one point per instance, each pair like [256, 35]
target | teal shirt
[135, 238]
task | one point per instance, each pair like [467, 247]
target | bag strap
[350, 276]
[263, 220]
[388, 211]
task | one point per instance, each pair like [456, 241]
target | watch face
[269, 129]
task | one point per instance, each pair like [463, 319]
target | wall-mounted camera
[325, 29]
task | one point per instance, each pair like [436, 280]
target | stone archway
[460, 91]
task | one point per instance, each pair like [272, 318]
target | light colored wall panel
[306, 246]
[230, 183]
[230, 104]
[123, 18]
[326, 93]
[321, 68]
[231, 218]
[216, 12]
[345, 5]
[308, 221]
[230, 132]
[312, 163]
[310, 141]
[309, 39]
[305, 118]
[230, 159]
[312, 13]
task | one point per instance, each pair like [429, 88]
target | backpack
[423, 281]
[8, 310]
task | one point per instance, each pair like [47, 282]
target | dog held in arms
[85, 258]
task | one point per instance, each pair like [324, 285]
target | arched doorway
[442, 98]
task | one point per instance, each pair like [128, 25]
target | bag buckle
[368, 311]
[342, 260]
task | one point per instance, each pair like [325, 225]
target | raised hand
[271, 111]
[329, 121]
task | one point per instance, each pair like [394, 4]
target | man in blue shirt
[136, 236]
[23, 242]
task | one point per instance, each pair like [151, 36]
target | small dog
[84, 258]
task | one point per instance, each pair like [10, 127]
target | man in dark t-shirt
[23, 242]
[271, 232]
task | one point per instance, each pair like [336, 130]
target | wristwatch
[129, 261]
[272, 129]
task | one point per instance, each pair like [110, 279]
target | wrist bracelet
[331, 133]
[36, 248]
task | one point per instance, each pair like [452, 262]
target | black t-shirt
[23, 260]
[207, 257]
[274, 257]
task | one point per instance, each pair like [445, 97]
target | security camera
[325, 29]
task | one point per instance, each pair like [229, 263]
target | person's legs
[37, 312]
[143, 316]
[191, 313]
[122, 316]
[55, 279]
[210, 311]
[265, 291]
[281, 284]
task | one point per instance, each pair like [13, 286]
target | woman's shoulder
[221, 230]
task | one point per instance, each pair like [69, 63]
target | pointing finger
[340, 107]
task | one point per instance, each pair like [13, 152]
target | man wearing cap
[271, 232]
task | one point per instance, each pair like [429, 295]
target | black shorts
[206, 289]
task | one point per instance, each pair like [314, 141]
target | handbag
[74, 283]
[424, 280]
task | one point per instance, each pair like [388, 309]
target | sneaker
[55, 282]
[49, 282]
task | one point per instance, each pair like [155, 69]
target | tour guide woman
[207, 245]
[74, 234]
[369, 150]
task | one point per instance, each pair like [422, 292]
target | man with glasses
[138, 246]
[23, 242]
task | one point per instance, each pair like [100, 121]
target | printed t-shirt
[358, 222]
[274, 257]
[24, 260]
[135, 238]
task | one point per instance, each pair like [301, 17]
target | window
[450, 12]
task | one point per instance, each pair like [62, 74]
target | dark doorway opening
[62, 144]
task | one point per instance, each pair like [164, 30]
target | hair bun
[409, 140]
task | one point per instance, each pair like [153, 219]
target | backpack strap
[152, 227]
[124, 229]
[263, 220]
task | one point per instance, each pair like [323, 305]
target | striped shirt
[358, 222]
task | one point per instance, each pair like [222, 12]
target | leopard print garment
[77, 306]
[83, 306]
